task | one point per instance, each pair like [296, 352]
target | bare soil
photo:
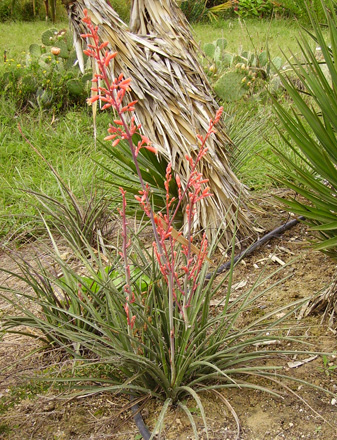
[30, 410]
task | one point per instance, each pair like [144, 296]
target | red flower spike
[152, 149]
[112, 95]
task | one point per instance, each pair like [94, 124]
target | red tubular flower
[93, 99]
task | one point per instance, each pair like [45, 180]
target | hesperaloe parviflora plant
[181, 290]
[154, 330]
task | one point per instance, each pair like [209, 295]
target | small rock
[333, 401]
[50, 406]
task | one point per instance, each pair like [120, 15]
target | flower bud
[55, 51]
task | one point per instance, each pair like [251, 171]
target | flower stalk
[180, 293]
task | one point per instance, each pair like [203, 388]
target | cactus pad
[229, 87]
[75, 87]
[263, 58]
[35, 50]
[221, 43]
[64, 50]
[48, 37]
[209, 49]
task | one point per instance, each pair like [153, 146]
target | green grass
[277, 35]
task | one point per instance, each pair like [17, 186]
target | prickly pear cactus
[48, 37]
[64, 52]
[228, 60]
[71, 60]
[217, 55]
[75, 87]
[221, 43]
[263, 59]
[216, 50]
[87, 77]
[231, 86]
[209, 50]
[35, 50]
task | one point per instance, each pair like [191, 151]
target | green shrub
[255, 8]
[298, 8]
[309, 129]
[197, 10]
[49, 77]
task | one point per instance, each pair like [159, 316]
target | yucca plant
[309, 130]
[169, 112]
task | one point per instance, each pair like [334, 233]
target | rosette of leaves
[309, 130]
[84, 316]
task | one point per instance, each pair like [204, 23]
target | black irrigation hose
[138, 419]
[272, 234]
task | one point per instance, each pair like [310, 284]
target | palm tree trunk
[158, 52]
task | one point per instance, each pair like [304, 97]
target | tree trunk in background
[158, 52]
[46, 5]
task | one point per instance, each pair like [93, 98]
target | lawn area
[277, 35]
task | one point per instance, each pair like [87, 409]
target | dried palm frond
[159, 54]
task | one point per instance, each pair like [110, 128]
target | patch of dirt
[301, 412]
